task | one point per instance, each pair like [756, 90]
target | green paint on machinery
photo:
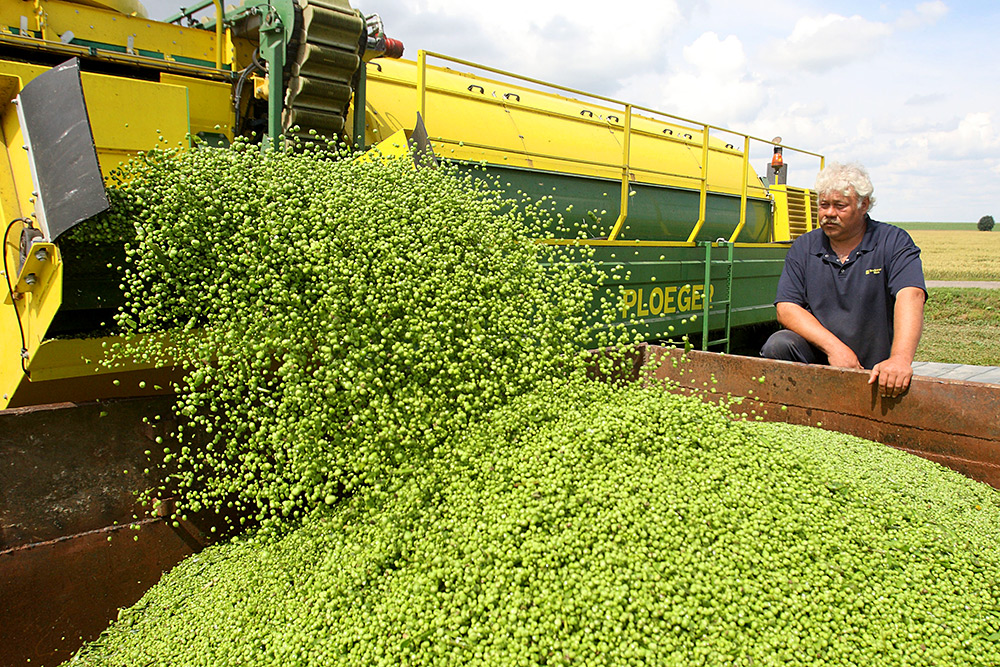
[656, 212]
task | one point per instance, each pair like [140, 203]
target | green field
[961, 326]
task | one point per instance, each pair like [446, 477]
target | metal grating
[801, 211]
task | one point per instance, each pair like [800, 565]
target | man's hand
[893, 376]
[843, 357]
[796, 318]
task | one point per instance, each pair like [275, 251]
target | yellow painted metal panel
[36, 272]
[473, 118]
[780, 198]
[40, 306]
[10, 339]
[394, 147]
[210, 103]
[71, 370]
[104, 26]
[15, 188]
[126, 115]
[70, 358]
[36, 310]
[15, 178]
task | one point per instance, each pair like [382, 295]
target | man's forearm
[907, 323]
[796, 318]
[893, 375]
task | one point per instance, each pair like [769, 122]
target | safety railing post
[360, 109]
[422, 85]
[725, 303]
[730, 269]
[807, 203]
[743, 190]
[703, 193]
[220, 15]
[626, 177]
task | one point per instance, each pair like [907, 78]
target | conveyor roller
[325, 55]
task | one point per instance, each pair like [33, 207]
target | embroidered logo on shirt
[873, 271]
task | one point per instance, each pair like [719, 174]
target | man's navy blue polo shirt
[853, 300]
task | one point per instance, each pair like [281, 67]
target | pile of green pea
[592, 525]
[335, 318]
[385, 371]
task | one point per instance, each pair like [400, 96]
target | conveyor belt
[323, 58]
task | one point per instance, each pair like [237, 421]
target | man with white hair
[852, 292]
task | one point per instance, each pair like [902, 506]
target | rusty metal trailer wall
[69, 556]
[951, 422]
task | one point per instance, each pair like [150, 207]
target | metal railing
[626, 166]
[189, 11]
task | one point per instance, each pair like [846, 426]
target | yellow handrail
[703, 190]
[626, 167]
[626, 184]
[422, 85]
[422, 55]
[574, 160]
[743, 190]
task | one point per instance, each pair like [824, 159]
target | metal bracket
[272, 47]
[36, 271]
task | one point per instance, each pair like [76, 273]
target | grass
[959, 254]
[961, 326]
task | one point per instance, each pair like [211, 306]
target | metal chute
[68, 186]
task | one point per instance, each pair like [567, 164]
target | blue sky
[909, 89]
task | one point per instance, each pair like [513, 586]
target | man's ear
[866, 204]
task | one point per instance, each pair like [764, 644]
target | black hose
[10, 291]
[238, 92]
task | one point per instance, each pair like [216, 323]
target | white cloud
[713, 85]
[913, 73]
[865, 130]
[582, 45]
[820, 44]
[919, 99]
[924, 14]
[721, 58]
[809, 126]
[975, 137]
